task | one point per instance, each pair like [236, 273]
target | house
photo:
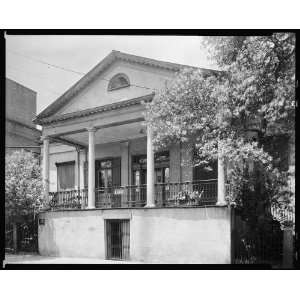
[111, 196]
[20, 132]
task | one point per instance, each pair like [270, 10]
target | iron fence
[21, 236]
[284, 215]
[127, 196]
[190, 193]
[193, 193]
[68, 199]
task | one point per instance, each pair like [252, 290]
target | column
[91, 168]
[45, 140]
[78, 176]
[221, 179]
[125, 174]
[150, 169]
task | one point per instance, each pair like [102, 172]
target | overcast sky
[81, 53]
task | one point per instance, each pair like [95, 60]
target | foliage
[234, 113]
[23, 185]
[188, 197]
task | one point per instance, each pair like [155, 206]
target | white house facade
[110, 195]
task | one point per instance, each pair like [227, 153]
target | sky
[82, 53]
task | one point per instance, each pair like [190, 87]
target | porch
[115, 165]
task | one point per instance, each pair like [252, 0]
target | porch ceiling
[111, 134]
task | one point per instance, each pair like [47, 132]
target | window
[118, 81]
[117, 239]
[201, 173]
[160, 158]
[65, 175]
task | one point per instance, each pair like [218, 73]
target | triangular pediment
[92, 90]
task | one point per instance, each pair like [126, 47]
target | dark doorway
[108, 178]
[117, 239]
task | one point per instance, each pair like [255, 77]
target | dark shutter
[125, 239]
[116, 171]
[85, 175]
[116, 180]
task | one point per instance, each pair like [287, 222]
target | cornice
[96, 110]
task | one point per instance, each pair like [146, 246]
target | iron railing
[193, 193]
[285, 216]
[127, 196]
[68, 199]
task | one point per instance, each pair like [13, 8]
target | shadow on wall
[51, 248]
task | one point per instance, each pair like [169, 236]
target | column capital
[91, 129]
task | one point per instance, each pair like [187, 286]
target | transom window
[118, 81]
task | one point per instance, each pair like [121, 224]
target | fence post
[15, 237]
[288, 247]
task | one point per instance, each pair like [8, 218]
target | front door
[108, 179]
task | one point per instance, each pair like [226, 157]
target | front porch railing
[68, 199]
[127, 196]
[194, 193]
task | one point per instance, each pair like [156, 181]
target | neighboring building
[20, 110]
[112, 197]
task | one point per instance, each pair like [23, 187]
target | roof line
[95, 110]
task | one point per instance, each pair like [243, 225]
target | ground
[38, 259]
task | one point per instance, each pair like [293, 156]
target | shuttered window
[65, 175]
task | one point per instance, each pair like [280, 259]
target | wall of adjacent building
[157, 235]
[17, 134]
[20, 103]
[20, 110]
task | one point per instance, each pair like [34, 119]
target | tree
[23, 185]
[235, 113]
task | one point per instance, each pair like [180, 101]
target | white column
[91, 168]
[45, 140]
[221, 180]
[150, 169]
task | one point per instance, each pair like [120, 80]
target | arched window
[118, 81]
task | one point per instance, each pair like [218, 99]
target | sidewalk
[38, 259]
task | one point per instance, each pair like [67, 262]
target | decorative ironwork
[194, 193]
[68, 199]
